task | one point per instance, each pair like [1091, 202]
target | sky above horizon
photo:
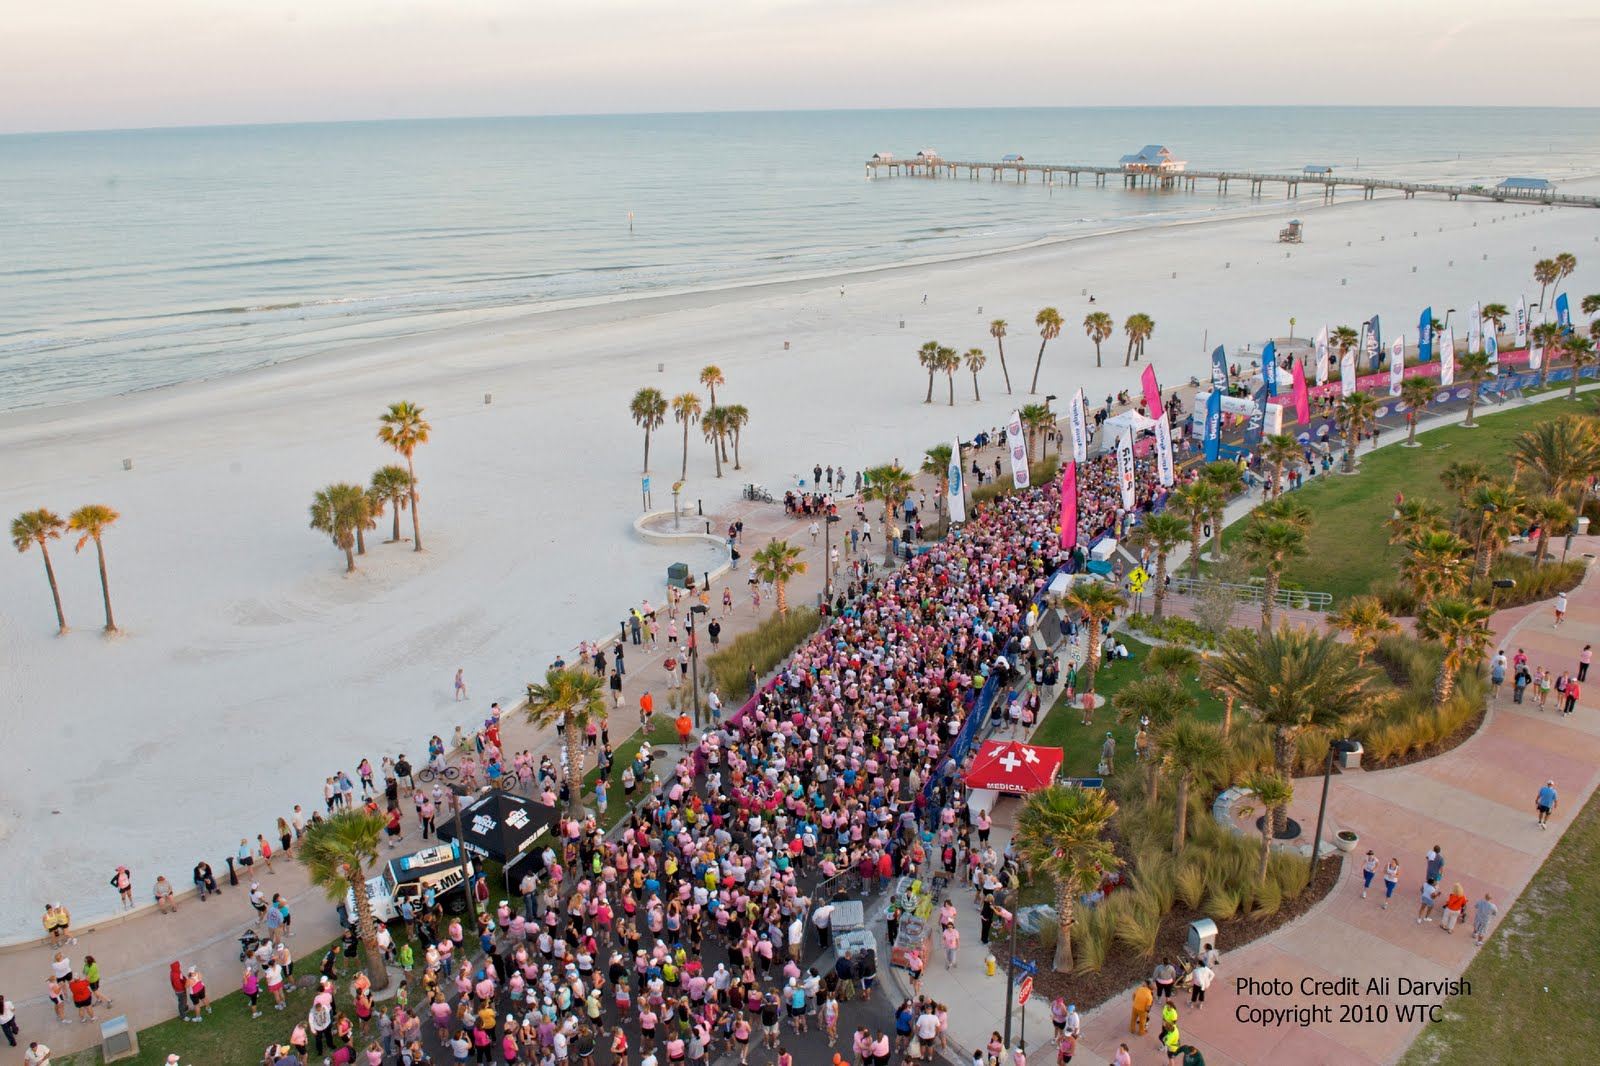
[110, 64]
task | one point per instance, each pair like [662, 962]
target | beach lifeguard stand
[1293, 233]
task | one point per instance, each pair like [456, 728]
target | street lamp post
[1047, 399]
[694, 659]
[1338, 747]
[458, 796]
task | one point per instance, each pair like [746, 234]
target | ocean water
[135, 259]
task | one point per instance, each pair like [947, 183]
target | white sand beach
[252, 666]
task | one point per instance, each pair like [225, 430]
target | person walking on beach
[122, 881]
[1545, 802]
[1482, 912]
[461, 684]
[1561, 607]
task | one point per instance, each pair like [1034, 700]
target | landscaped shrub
[1534, 583]
[1269, 897]
[1221, 904]
[1039, 473]
[1290, 872]
[1092, 934]
[1138, 922]
[1174, 629]
[1191, 885]
[765, 647]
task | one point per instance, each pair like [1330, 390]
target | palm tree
[711, 377]
[1463, 475]
[1473, 367]
[1138, 327]
[928, 359]
[778, 563]
[1195, 503]
[1497, 314]
[339, 510]
[336, 852]
[1364, 618]
[1274, 792]
[403, 428]
[1435, 564]
[1566, 263]
[649, 410]
[714, 427]
[1060, 836]
[1591, 304]
[936, 463]
[1035, 418]
[1161, 532]
[975, 362]
[738, 417]
[41, 527]
[1357, 412]
[1226, 478]
[1550, 513]
[1099, 327]
[1580, 353]
[90, 522]
[1494, 516]
[1462, 629]
[890, 483]
[1191, 750]
[392, 485]
[1049, 322]
[1159, 699]
[1098, 602]
[1288, 509]
[950, 362]
[1546, 273]
[686, 408]
[1344, 338]
[368, 518]
[1175, 660]
[1278, 451]
[997, 330]
[569, 698]
[1416, 394]
[1291, 680]
[1546, 336]
[1271, 544]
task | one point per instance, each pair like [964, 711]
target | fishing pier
[1154, 167]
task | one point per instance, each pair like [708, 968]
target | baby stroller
[248, 944]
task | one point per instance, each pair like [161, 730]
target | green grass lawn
[1347, 556]
[1081, 744]
[1532, 994]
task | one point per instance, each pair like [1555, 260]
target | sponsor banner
[955, 494]
[1017, 445]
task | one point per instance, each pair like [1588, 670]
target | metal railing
[1294, 599]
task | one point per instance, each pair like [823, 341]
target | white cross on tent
[1010, 761]
[1029, 755]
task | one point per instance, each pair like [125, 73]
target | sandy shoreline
[253, 668]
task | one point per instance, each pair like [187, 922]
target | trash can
[117, 1040]
[1350, 755]
[1202, 936]
[678, 575]
[1583, 525]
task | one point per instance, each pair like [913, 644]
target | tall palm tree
[339, 510]
[1551, 513]
[686, 409]
[336, 852]
[1161, 532]
[711, 377]
[90, 522]
[936, 463]
[1271, 544]
[1098, 602]
[1495, 515]
[1344, 338]
[1416, 394]
[1546, 273]
[41, 527]
[1274, 792]
[1036, 418]
[1546, 336]
[1278, 451]
[403, 428]
[1099, 327]
[1580, 354]
[738, 417]
[392, 484]
[714, 427]
[1566, 263]
[975, 362]
[1497, 314]
[569, 698]
[950, 362]
[1356, 414]
[1049, 322]
[1473, 368]
[1138, 327]
[779, 563]
[1288, 509]
[1194, 503]
[928, 359]
[1175, 660]
[1435, 564]
[1364, 618]
[1591, 304]
[1060, 836]
[649, 410]
[1464, 475]
[1227, 479]
[997, 330]
[1191, 750]
[1462, 628]
[1290, 680]
[1159, 699]
[368, 517]
[890, 483]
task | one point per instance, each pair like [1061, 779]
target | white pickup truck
[410, 877]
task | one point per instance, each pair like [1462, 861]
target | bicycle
[448, 773]
[506, 782]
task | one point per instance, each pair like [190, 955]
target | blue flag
[1257, 420]
[1374, 352]
[1213, 435]
[1269, 368]
[1425, 336]
[1564, 314]
[1219, 368]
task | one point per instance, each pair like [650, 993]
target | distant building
[1318, 170]
[928, 153]
[1152, 159]
[1013, 158]
[883, 157]
[1532, 188]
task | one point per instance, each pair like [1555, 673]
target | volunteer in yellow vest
[1143, 997]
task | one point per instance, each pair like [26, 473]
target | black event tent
[500, 825]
